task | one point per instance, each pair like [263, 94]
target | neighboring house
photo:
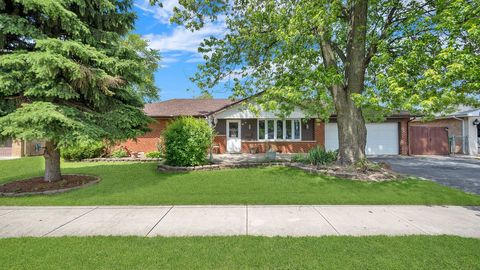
[20, 148]
[239, 130]
[461, 132]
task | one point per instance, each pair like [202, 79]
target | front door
[234, 143]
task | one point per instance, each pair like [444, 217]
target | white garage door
[382, 138]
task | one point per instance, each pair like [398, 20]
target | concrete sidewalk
[290, 220]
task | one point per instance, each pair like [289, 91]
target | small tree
[69, 72]
[186, 141]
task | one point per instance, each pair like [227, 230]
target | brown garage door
[6, 148]
[428, 140]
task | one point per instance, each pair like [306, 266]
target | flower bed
[336, 171]
[37, 186]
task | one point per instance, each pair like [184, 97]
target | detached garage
[382, 138]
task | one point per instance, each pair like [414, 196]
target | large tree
[359, 59]
[69, 72]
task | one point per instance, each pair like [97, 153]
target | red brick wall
[320, 133]
[148, 142]
[282, 147]
[220, 143]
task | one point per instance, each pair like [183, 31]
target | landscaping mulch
[37, 185]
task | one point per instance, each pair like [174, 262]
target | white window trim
[275, 130]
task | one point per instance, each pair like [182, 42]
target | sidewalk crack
[7, 212]
[69, 222]
[168, 211]
[407, 221]
[331, 225]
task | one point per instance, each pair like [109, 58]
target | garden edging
[303, 167]
[129, 159]
[50, 192]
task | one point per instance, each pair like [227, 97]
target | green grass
[141, 184]
[378, 252]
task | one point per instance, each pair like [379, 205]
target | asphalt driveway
[457, 172]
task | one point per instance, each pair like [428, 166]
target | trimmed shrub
[153, 154]
[83, 150]
[119, 153]
[186, 141]
[319, 156]
[299, 158]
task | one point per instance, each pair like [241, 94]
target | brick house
[239, 130]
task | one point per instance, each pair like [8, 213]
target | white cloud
[178, 41]
[169, 59]
[181, 39]
[195, 59]
[162, 14]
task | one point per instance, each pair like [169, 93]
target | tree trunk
[52, 162]
[352, 133]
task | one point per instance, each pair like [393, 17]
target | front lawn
[141, 184]
[377, 252]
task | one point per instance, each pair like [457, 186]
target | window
[261, 129]
[233, 129]
[288, 129]
[279, 130]
[272, 129]
[296, 129]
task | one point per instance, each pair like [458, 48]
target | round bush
[186, 141]
[83, 150]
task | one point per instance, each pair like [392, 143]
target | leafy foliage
[360, 59]
[420, 56]
[154, 154]
[119, 153]
[69, 72]
[83, 150]
[316, 156]
[186, 141]
[319, 156]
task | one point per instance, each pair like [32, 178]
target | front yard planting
[141, 184]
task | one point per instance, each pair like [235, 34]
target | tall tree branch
[383, 34]
[338, 51]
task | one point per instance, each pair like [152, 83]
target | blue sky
[178, 47]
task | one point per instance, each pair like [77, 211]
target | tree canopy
[359, 59]
[70, 71]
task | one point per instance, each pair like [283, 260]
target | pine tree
[70, 72]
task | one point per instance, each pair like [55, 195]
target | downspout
[463, 133]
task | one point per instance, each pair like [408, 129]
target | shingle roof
[185, 107]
